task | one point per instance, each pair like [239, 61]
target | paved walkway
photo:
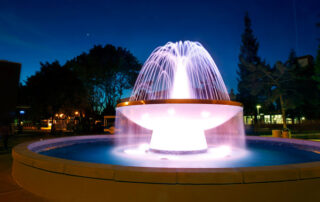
[9, 190]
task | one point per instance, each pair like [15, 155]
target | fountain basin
[178, 125]
[84, 181]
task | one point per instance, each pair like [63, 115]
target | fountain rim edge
[179, 101]
[23, 154]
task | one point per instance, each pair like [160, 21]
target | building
[305, 61]
[9, 83]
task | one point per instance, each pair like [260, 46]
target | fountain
[180, 138]
[180, 94]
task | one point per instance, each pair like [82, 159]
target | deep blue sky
[38, 31]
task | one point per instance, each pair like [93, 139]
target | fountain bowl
[179, 125]
[60, 179]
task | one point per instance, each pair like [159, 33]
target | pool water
[257, 153]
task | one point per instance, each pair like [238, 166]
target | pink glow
[215, 156]
[183, 70]
[179, 70]
[179, 127]
[181, 87]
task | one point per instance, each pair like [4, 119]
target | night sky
[37, 31]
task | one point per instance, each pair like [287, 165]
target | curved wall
[66, 180]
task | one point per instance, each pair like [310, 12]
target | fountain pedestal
[178, 139]
[178, 125]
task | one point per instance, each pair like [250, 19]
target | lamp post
[258, 114]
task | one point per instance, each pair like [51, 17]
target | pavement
[9, 190]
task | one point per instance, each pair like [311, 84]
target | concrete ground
[9, 190]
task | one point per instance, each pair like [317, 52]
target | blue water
[260, 153]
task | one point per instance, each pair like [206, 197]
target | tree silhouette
[248, 55]
[54, 89]
[106, 72]
[316, 76]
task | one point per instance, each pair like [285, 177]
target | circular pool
[93, 168]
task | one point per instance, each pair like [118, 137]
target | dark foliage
[106, 72]
[248, 55]
[53, 89]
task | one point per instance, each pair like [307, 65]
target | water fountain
[180, 139]
[178, 95]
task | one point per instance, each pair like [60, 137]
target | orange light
[61, 115]
[76, 113]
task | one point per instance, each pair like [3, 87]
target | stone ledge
[209, 176]
[145, 175]
[269, 174]
[23, 154]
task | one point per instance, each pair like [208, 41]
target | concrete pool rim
[23, 154]
[65, 180]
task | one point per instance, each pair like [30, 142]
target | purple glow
[179, 127]
[217, 155]
[181, 70]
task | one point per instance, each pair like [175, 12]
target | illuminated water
[258, 153]
[181, 70]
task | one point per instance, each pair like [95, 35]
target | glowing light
[143, 147]
[183, 131]
[181, 70]
[61, 115]
[205, 114]
[171, 111]
[177, 137]
[145, 116]
[215, 156]
[181, 87]
[76, 113]
[133, 151]
[221, 152]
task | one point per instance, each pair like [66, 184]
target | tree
[232, 95]
[308, 95]
[106, 72]
[276, 82]
[316, 76]
[248, 55]
[54, 89]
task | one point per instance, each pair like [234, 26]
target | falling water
[183, 71]
[180, 70]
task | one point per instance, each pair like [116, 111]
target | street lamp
[258, 114]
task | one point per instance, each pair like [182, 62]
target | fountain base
[178, 125]
[87, 181]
